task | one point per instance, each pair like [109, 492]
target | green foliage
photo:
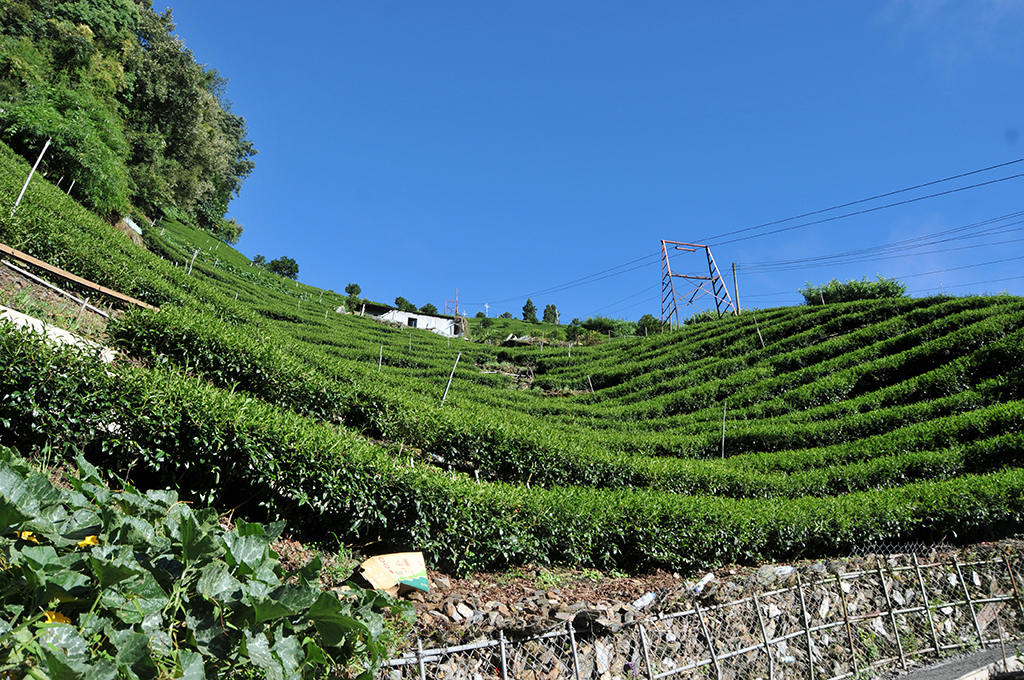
[508, 315]
[285, 266]
[352, 301]
[648, 325]
[891, 419]
[404, 305]
[100, 582]
[550, 314]
[428, 308]
[834, 291]
[135, 121]
[530, 312]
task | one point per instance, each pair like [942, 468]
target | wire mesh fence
[879, 612]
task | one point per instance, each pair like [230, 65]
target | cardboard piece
[397, 573]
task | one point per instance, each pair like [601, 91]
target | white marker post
[29, 178]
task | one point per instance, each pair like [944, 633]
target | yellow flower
[56, 617]
[27, 536]
[89, 540]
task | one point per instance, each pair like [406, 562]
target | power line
[575, 283]
[868, 210]
[865, 200]
[911, 276]
[875, 252]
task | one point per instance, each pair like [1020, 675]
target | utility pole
[736, 288]
[711, 285]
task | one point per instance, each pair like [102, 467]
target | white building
[442, 325]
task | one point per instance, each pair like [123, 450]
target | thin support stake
[1013, 581]
[419, 658]
[504, 660]
[647, 652]
[29, 178]
[849, 628]
[85, 303]
[927, 607]
[892, 615]
[450, 379]
[758, 328]
[575, 655]
[967, 596]
[807, 627]
[380, 358]
[591, 384]
[764, 637]
[723, 429]
[707, 636]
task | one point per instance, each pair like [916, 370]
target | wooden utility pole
[736, 288]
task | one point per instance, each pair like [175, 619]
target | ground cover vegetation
[890, 420]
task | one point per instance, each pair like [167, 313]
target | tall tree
[550, 314]
[530, 311]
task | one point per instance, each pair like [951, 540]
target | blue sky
[544, 149]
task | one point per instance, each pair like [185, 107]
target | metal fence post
[849, 628]
[927, 607]
[807, 627]
[892, 614]
[645, 645]
[572, 644]
[419, 659]
[764, 636]
[707, 636]
[970, 605]
[504, 660]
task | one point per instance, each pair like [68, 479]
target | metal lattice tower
[712, 285]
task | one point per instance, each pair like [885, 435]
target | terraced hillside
[816, 431]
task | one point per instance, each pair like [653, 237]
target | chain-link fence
[865, 616]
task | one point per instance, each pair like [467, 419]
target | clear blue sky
[507, 148]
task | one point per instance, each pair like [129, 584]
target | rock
[443, 582]
[464, 611]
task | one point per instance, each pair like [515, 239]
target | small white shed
[441, 325]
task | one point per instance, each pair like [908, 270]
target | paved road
[976, 666]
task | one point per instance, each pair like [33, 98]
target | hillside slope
[844, 424]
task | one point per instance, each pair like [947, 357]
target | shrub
[834, 291]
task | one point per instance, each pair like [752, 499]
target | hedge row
[234, 451]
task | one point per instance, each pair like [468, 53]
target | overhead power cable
[868, 210]
[714, 240]
[911, 247]
[590, 278]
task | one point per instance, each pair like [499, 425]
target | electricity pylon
[712, 285]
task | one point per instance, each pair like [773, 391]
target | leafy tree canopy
[134, 120]
[550, 314]
[428, 308]
[404, 304]
[285, 266]
[834, 291]
[506, 315]
[648, 325]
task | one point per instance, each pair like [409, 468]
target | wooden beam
[25, 257]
